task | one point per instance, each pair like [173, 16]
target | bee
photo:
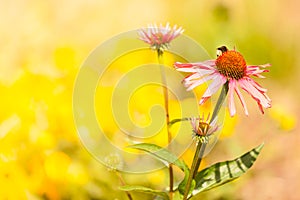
[221, 50]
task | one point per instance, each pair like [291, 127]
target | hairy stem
[193, 167]
[123, 183]
[166, 104]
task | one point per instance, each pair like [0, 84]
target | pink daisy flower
[230, 66]
[159, 37]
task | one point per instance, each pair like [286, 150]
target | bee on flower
[229, 68]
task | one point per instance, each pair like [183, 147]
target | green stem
[166, 104]
[123, 183]
[189, 182]
[201, 146]
[217, 108]
[220, 101]
[199, 158]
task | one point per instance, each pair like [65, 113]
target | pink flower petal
[256, 85]
[219, 80]
[260, 97]
[200, 65]
[231, 105]
[239, 94]
[194, 83]
[194, 124]
[255, 70]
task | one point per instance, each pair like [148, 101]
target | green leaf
[182, 185]
[160, 153]
[137, 188]
[223, 172]
[174, 121]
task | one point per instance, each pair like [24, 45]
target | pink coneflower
[159, 37]
[229, 66]
[203, 128]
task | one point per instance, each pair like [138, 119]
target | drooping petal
[261, 98]
[231, 105]
[260, 107]
[208, 65]
[256, 85]
[194, 76]
[213, 87]
[255, 70]
[196, 70]
[209, 62]
[239, 94]
[194, 83]
[259, 88]
[199, 65]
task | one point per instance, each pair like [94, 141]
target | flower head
[113, 162]
[203, 128]
[230, 66]
[159, 37]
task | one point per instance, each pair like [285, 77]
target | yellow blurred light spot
[36, 172]
[40, 115]
[103, 109]
[13, 181]
[188, 156]
[284, 117]
[141, 102]
[160, 138]
[64, 57]
[229, 125]
[77, 174]
[199, 91]
[157, 177]
[42, 138]
[141, 119]
[39, 182]
[57, 165]
[50, 190]
[7, 125]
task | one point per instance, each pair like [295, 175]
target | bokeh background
[43, 44]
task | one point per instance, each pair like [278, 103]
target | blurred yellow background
[43, 44]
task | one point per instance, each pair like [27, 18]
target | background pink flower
[159, 37]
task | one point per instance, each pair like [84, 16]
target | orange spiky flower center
[202, 128]
[231, 64]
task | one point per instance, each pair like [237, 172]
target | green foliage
[224, 172]
[165, 155]
[211, 177]
[182, 185]
[161, 153]
[143, 189]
